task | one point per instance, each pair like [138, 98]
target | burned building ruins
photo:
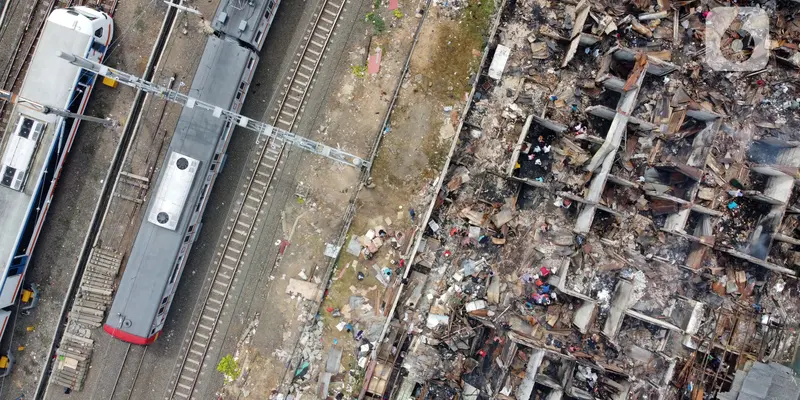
[618, 220]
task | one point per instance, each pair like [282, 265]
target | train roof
[49, 80]
[240, 19]
[197, 134]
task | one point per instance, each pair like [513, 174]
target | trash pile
[618, 218]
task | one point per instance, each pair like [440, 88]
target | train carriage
[173, 214]
[246, 21]
[34, 145]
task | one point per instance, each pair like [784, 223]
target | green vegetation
[397, 13]
[229, 368]
[461, 45]
[359, 71]
[377, 21]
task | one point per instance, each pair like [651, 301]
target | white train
[34, 145]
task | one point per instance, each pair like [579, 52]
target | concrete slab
[308, 290]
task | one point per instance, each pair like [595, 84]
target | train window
[161, 310]
[186, 239]
[213, 167]
[174, 273]
[216, 156]
[271, 5]
[238, 95]
[191, 228]
[152, 331]
[258, 36]
[175, 270]
[250, 63]
[164, 301]
[99, 32]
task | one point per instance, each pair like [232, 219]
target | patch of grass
[229, 368]
[377, 21]
[359, 71]
[397, 14]
[460, 44]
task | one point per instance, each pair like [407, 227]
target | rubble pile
[618, 218]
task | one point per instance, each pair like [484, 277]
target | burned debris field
[618, 219]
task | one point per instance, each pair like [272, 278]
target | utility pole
[45, 109]
[259, 127]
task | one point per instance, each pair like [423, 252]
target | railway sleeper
[105, 262]
[107, 267]
[88, 319]
[106, 271]
[95, 297]
[65, 382]
[100, 252]
[99, 282]
[100, 274]
[73, 380]
[99, 278]
[78, 339]
[91, 325]
[92, 304]
[101, 270]
[103, 281]
[104, 292]
[76, 347]
[75, 356]
[83, 319]
[110, 270]
[76, 374]
[89, 310]
[76, 351]
[96, 286]
[105, 256]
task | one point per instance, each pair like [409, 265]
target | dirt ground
[421, 130]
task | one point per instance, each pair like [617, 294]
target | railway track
[128, 375]
[245, 214]
[22, 54]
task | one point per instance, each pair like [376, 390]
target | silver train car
[172, 218]
[34, 147]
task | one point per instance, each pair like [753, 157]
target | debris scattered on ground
[617, 221]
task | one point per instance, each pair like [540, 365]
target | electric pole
[261, 128]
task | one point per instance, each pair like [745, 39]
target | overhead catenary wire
[230, 116]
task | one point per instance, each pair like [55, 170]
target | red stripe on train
[128, 337]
